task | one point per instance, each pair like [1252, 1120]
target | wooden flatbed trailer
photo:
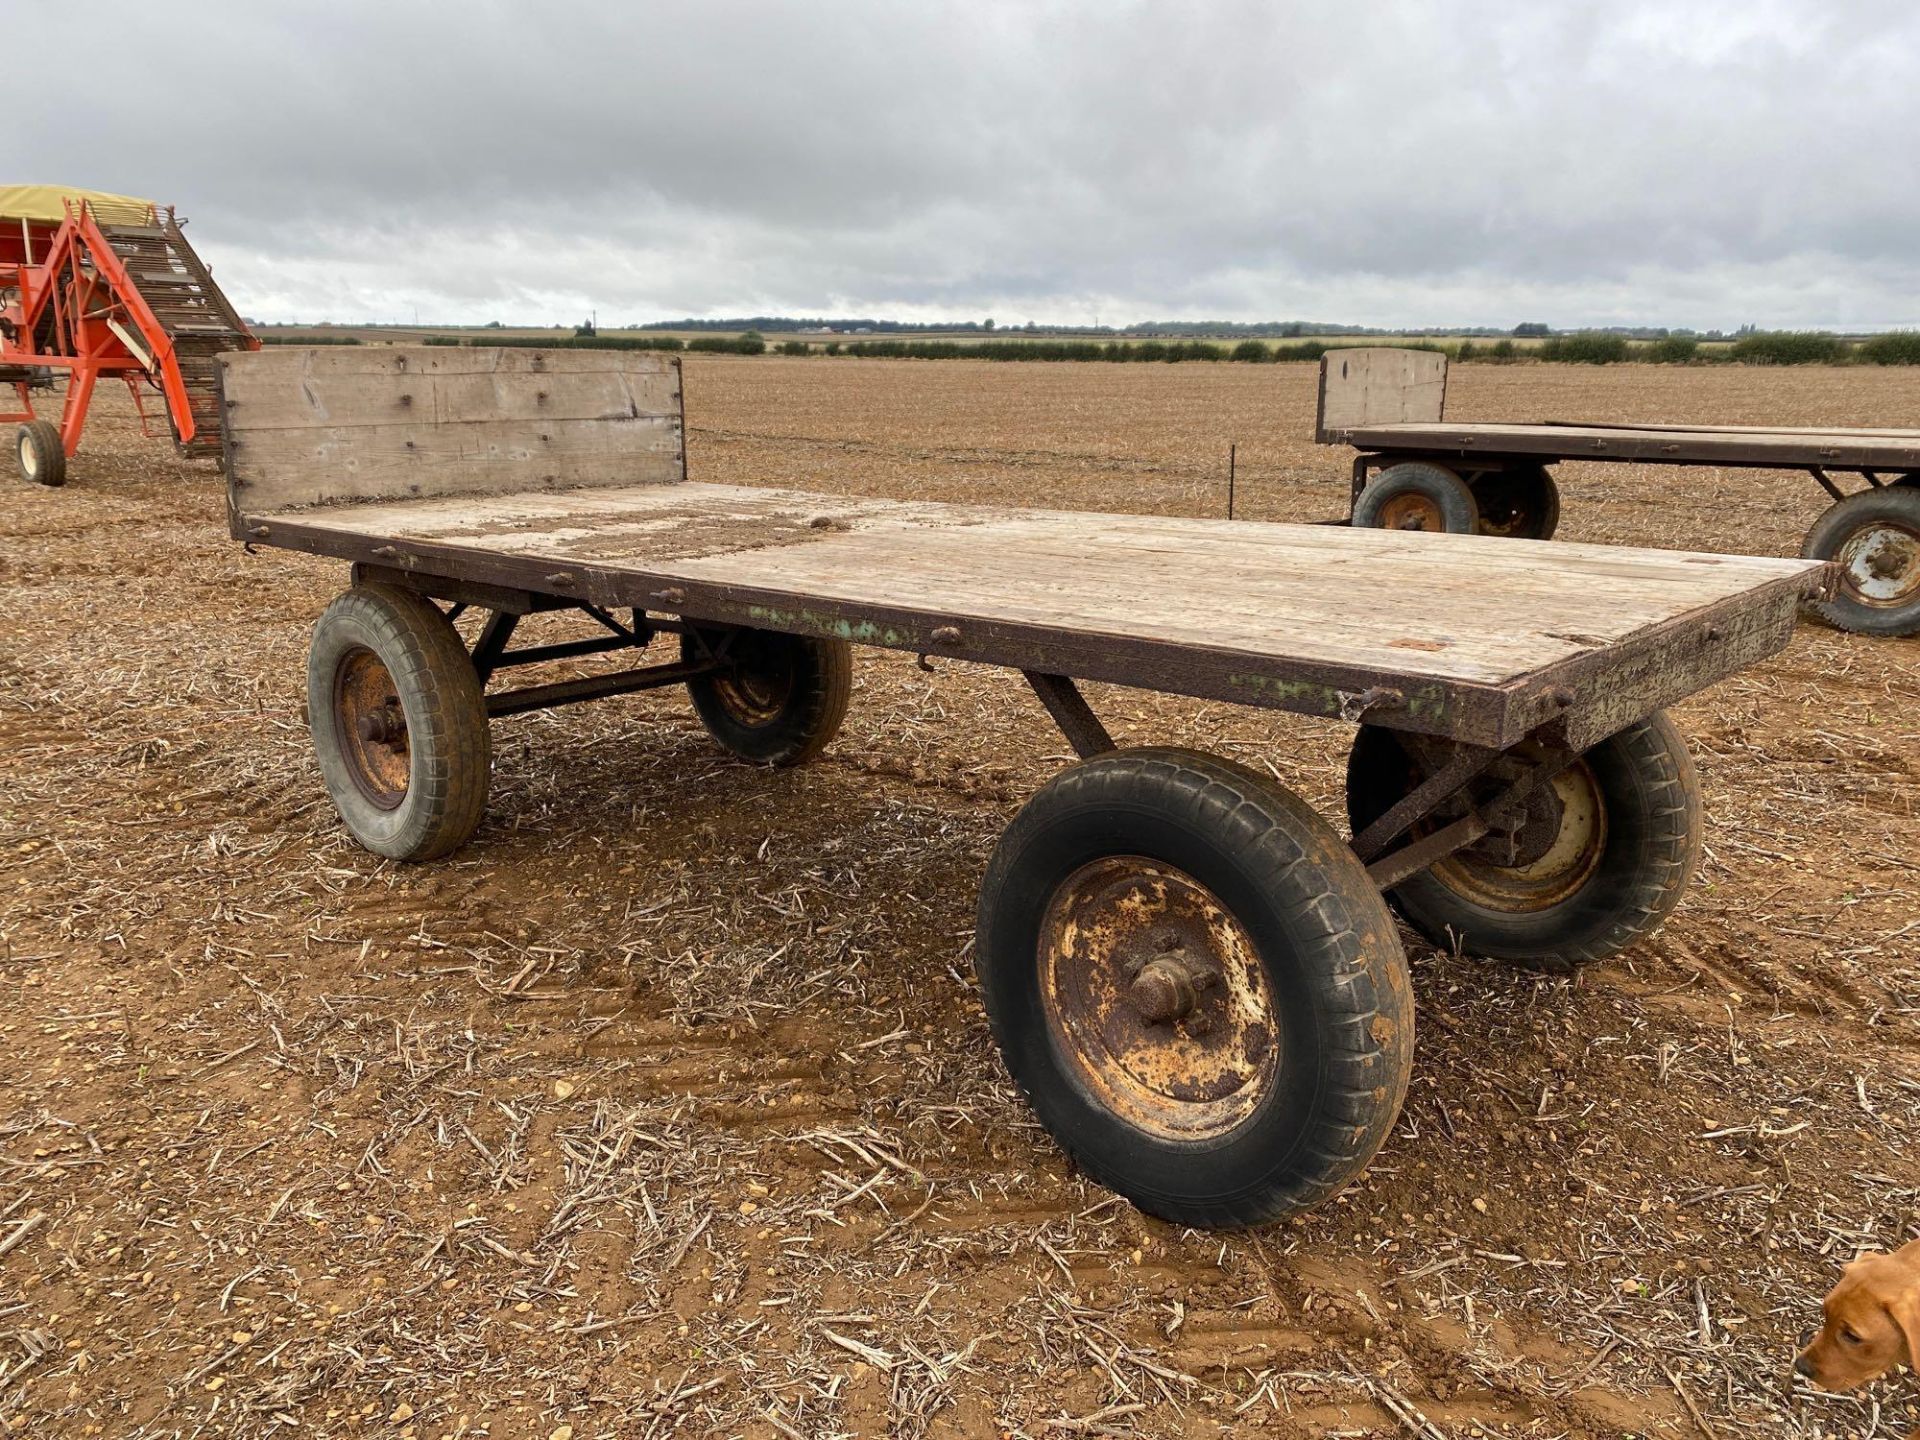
[1194, 978]
[1416, 470]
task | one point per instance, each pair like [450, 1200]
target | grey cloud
[1485, 161]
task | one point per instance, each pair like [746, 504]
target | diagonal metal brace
[1466, 762]
[1071, 713]
[1410, 860]
[1388, 870]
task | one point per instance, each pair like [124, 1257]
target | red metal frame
[63, 291]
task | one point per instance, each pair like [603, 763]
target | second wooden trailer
[1417, 470]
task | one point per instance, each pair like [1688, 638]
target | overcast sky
[1572, 161]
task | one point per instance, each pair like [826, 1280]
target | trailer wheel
[1875, 538]
[1519, 503]
[782, 697]
[43, 459]
[1594, 861]
[399, 724]
[1415, 495]
[1195, 985]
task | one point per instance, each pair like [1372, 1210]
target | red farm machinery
[105, 285]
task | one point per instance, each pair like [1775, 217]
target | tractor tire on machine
[1417, 495]
[1196, 985]
[1874, 536]
[41, 456]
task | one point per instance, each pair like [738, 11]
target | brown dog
[1872, 1322]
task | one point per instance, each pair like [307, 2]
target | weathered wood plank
[282, 469]
[304, 427]
[345, 399]
[1368, 385]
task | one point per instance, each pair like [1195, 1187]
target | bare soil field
[667, 1107]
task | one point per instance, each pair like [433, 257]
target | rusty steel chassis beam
[1450, 766]
[491, 652]
[1367, 461]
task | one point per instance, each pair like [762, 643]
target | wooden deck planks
[1462, 608]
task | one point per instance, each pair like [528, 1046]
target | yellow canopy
[42, 203]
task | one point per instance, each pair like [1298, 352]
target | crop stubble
[668, 1107]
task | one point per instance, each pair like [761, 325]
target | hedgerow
[1673, 350]
[1591, 349]
[563, 342]
[1788, 347]
[1896, 347]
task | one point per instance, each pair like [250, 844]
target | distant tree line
[747, 344]
[1755, 347]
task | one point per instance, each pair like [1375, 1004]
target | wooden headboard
[340, 423]
[1366, 386]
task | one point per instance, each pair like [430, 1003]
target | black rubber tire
[39, 454]
[1342, 1001]
[1651, 848]
[1446, 493]
[1521, 502]
[449, 745]
[1893, 511]
[814, 680]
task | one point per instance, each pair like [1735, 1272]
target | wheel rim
[755, 691]
[372, 728]
[1156, 997]
[1542, 855]
[29, 457]
[1880, 565]
[1411, 511]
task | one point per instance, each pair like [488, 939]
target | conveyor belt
[177, 287]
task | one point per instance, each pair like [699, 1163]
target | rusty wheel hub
[1880, 565]
[1411, 511]
[372, 727]
[1541, 848]
[758, 684]
[1155, 995]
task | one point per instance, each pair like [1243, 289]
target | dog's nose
[1803, 1366]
